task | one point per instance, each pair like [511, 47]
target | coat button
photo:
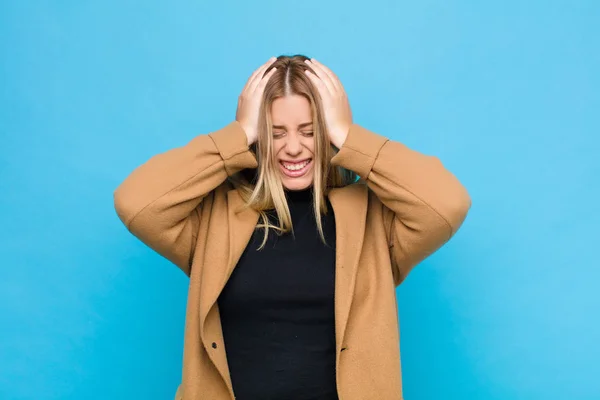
[214, 345]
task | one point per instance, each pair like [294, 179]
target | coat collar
[350, 209]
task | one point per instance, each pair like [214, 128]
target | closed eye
[277, 135]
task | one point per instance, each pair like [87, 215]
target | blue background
[506, 94]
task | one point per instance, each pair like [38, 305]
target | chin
[296, 184]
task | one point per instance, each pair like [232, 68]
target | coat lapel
[240, 225]
[350, 209]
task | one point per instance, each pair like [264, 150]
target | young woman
[295, 225]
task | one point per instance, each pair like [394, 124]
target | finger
[259, 79]
[333, 77]
[249, 81]
[252, 81]
[323, 77]
[257, 75]
[265, 80]
[318, 83]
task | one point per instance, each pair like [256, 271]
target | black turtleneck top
[277, 311]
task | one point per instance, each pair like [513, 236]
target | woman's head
[291, 128]
[292, 141]
[293, 148]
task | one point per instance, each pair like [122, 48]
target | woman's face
[293, 141]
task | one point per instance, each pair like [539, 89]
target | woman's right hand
[249, 101]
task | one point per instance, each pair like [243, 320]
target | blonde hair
[262, 189]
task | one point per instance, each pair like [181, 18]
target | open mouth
[295, 169]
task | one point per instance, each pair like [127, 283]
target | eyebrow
[299, 126]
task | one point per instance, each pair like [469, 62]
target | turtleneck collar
[299, 195]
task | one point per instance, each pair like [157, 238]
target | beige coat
[406, 206]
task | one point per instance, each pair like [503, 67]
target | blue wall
[506, 94]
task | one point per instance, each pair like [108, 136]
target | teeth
[295, 167]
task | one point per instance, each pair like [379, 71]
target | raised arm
[424, 203]
[159, 201]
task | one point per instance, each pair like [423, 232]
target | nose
[293, 146]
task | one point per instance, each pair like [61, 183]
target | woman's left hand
[338, 116]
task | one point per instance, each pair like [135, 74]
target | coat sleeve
[423, 203]
[160, 201]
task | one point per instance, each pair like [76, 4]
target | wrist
[338, 138]
[250, 137]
